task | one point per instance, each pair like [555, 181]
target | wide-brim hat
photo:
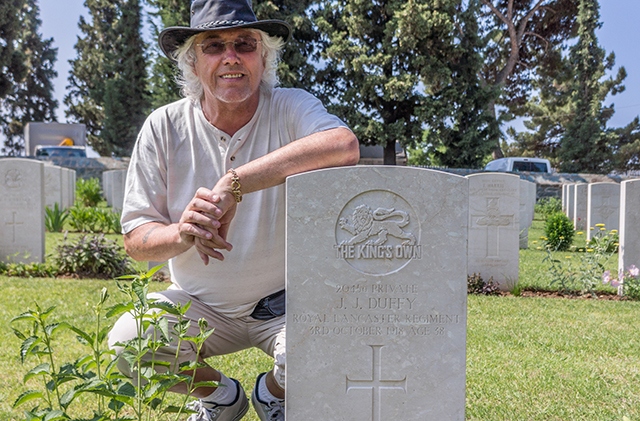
[211, 15]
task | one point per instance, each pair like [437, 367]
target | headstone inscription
[629, 252]
[603, 208]
[580, 208]
[376, 294]
[494, 227]
[21, 210]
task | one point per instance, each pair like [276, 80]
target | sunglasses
[240, 45]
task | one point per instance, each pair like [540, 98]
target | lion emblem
[380, 223]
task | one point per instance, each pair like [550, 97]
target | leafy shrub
[94, 220]
[92, 257]
[547, 206]
[55, 218]
[559, 232]
[28, 270]
[88, 192]
[477, 285]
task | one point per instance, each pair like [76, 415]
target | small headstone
[527, 208]
[21, 210]
[603, 208]
[580, 206]
[53, 186]
[571, 189]
[376, 295]
[494, 227]
[629, 253]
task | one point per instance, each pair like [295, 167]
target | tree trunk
[390, 153]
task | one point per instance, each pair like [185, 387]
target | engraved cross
[376, 384]
[492, 220]
[13, 224]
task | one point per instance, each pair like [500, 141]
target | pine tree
[380, 60]
[586, 145]
[464, 139]
[32, 97]
[11, 60]
[162, 81]
[106, 66]
[126, 100]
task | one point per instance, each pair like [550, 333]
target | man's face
[228, 66]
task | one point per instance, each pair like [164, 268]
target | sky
[619, 34]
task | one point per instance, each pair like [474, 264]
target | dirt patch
[572, 296]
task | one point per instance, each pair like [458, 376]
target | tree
[520, 34]
[380, 60]
[11, 61]
[586, 145]
[31, 98]
[295, 70]
[463, 140]
[108, 63]
[162, 81]
[126, 100]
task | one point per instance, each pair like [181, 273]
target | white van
[519, 164]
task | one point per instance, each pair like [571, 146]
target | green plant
[88, 192]
[55, 218]
[39, 270]
[603, 240]
[628, 283]
[112, 396]
[477, 285]
[548, 206]
[95, 220]
[92, 257]
[558, 232]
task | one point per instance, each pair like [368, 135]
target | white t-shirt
[178, 151]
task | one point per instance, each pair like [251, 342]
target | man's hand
[216, 209]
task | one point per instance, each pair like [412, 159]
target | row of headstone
[377, 266]
[113, 185]
[59, 186]
[612, 204]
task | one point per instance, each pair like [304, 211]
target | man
[205, 191]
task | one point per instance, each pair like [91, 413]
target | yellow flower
[602, 229]
[613, 231]
[599, 225]
[567, 257]
[534, 242]
[579, 233]
[538, 248]
[589, 250]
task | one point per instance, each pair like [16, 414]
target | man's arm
[205, 221]
[330, 148]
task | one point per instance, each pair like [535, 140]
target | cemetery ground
[529, 356]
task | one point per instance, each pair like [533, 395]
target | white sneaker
[232, 412]
[267, 411]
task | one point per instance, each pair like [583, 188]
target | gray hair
[190, 85]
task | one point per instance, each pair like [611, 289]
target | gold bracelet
[235, 185]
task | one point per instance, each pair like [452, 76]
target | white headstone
[564, 199]
[580, 206]
[527, 208]
[53, 180]
[494, 227]
[571, 189]
[376, 295]
[603, 207]
[21, 210]
[629, 253]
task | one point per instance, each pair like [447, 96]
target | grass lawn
[527, 358]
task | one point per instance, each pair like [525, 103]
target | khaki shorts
[229, 335]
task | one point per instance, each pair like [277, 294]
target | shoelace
[276, 411]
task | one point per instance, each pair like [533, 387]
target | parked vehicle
[519, 164]
[62, 151]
